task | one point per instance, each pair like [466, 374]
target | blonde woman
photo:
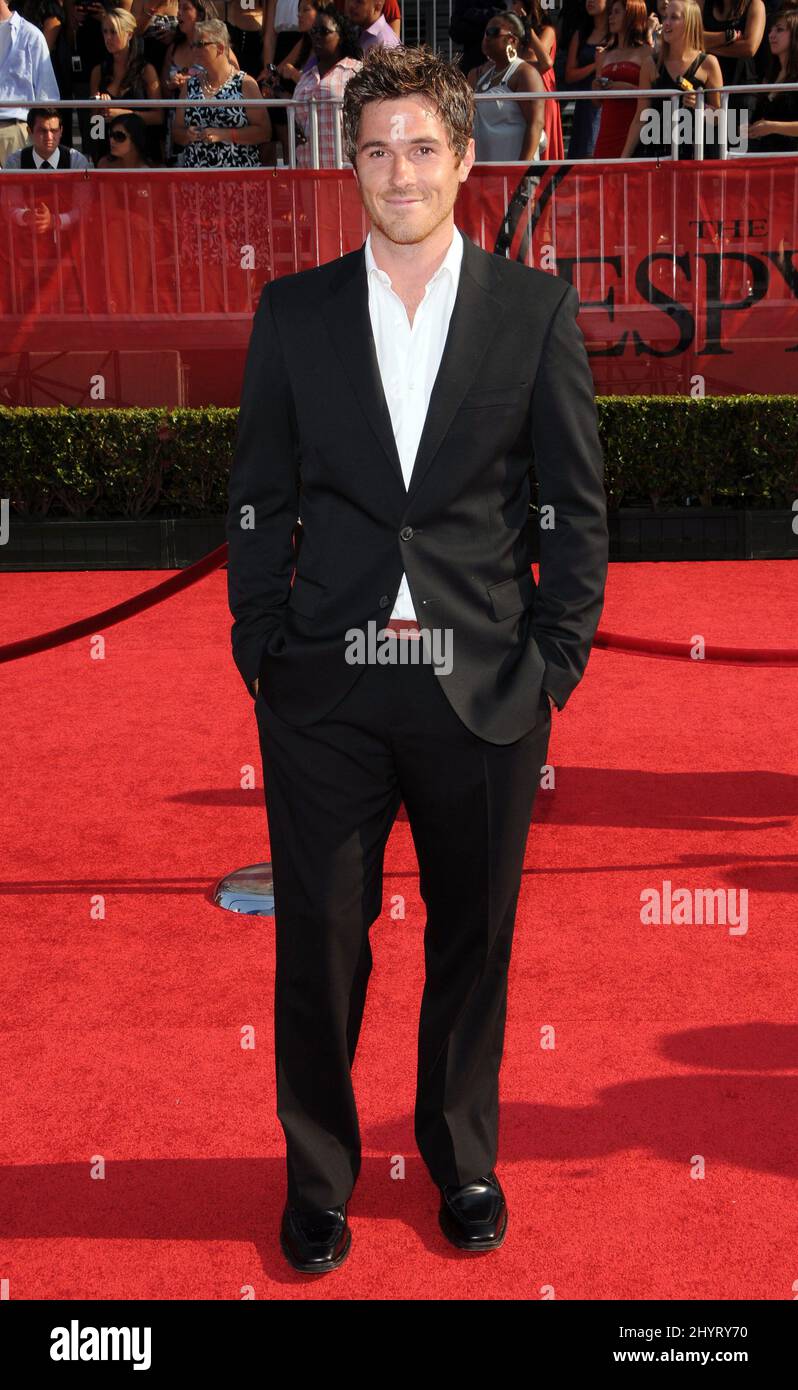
[684, 67]
[125, 72]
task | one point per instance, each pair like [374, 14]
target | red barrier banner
[139, 288]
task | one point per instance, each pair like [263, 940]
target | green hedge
[65, 462]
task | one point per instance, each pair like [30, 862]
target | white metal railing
[291, 105]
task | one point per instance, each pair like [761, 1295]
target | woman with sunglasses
[225, 133]
[179, 60]
[134, 265]
[336, 56]
[507, 131]
[127, 136]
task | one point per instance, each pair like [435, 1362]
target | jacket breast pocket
[305, 596]
[508, 394]
[512, 596]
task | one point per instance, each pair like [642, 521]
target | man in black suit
[397, 400]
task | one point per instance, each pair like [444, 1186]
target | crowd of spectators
[681, 47]
[228, 55]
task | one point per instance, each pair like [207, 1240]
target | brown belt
[404, 627]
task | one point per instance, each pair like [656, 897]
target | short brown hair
[388, 73]
[43, 113]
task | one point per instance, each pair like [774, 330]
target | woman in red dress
[618, 69]
[540, 50]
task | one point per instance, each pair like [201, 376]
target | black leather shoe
[315, 1241]
[474, 1217]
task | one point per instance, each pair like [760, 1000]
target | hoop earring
[512, 52]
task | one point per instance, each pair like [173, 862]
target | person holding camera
[290, 51]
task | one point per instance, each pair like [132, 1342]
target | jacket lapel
[476, 318]
[346, 314]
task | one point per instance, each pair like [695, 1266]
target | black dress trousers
[332, 791]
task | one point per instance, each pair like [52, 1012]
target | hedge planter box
[166, 543]
[677, 533]
[636, 533]
[697, 533]
[770, 535]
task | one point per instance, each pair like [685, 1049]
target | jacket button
[406, 533]
[384, 601]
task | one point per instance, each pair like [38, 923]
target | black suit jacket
[513, 392]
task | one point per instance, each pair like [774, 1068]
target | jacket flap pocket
[512, 596]
[305, 595]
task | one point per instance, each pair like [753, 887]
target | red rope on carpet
[116, 614]
[610, 641]
[682, 651]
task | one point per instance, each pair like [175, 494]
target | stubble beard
[406, 231]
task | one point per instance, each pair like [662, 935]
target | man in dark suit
[398, 400]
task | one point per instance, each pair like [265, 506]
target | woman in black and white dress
[225, 134]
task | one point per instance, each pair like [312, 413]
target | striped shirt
[323, 90]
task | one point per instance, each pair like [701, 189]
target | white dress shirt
[79, 160]
[409, 358]
[32, 81]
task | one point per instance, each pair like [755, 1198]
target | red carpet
[651, 1153]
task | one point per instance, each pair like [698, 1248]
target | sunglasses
[493, 33]
[118, 136]
[321, 30]
[206, 44]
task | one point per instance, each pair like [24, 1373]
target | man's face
[363, 12]
[46, 136]
[405, 169]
